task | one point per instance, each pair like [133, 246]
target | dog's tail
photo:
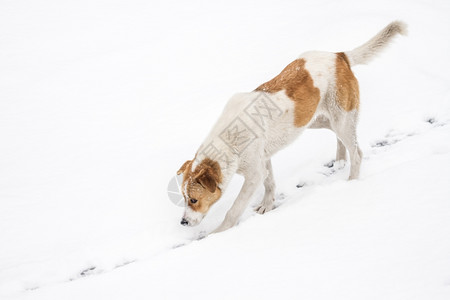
[364, 53]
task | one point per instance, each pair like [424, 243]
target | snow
[102, 101]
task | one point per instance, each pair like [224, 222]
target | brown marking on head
[187, 165]
[299, 87]
[201, 184]
[347, 89]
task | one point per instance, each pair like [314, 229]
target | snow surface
[102, 101]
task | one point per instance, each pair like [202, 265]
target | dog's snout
[184, 222]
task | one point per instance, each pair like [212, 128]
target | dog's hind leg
[341, 151]
[323, 122]
[269, 195]
[345, 129]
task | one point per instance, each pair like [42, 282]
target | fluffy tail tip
[399, 27]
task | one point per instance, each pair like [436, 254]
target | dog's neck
[227, 160]
[223, 144]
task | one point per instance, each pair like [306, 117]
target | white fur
[321, 66]
[364, 53]
[193, 217]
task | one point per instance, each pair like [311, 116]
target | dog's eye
[193, 201]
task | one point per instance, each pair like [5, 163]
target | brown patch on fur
[201, 184]
[347, 89]
[299, 87]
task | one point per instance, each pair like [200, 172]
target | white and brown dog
[317, 90]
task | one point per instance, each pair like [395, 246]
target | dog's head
[200, 189]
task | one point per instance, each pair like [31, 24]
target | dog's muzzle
[184, 222]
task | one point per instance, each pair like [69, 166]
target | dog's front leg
[241, 202]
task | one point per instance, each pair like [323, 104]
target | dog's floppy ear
[183, 167]
[207, 180]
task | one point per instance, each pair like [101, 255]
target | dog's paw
[263, 208]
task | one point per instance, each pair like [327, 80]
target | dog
[317, 90]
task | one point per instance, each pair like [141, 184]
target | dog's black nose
[184, 222]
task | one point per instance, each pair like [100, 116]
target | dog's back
[325, 93]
